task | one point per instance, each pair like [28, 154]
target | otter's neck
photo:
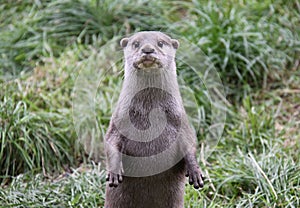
[138, 80]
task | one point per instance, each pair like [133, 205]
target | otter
[150, 146]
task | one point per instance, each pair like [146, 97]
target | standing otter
[149, 144]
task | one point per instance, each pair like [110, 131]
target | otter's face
[149, 50]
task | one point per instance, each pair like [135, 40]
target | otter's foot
[114, 179]
[195, 177]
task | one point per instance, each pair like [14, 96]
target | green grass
[45, 45]
[32, 141]
[83, 188]
[249, 168]
[47, 28]
[247, 41]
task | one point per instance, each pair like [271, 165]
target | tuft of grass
[51, 27]
[36, 122]
[32, 141]
[247, 42]
[254, 126]
[36, 125]
[250, 167]
[83, 188]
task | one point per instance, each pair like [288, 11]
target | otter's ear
[175, 43]
[124, 42]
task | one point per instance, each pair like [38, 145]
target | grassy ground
[44, 45]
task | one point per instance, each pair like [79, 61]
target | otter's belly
[164, 190]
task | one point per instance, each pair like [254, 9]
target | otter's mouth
[147, 62]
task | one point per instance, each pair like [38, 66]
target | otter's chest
[154, 122]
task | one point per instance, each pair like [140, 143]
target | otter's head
[149, 50]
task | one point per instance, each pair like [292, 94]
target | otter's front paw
[195, 177]
[114, 179]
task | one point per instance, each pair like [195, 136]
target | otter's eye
[136, 44]
[160, 43]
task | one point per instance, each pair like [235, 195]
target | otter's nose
[147, 49]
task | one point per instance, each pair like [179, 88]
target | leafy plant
[247, 45]
[31, 141]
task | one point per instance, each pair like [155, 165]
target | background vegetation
[254, 45]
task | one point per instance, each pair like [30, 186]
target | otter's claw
[196, 178]
[114, 179]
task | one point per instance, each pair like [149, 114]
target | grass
[245, 42]
[50, 27]
[45, 45]
[79, 189]
[32, 140]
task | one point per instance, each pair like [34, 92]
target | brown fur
[150, 83]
